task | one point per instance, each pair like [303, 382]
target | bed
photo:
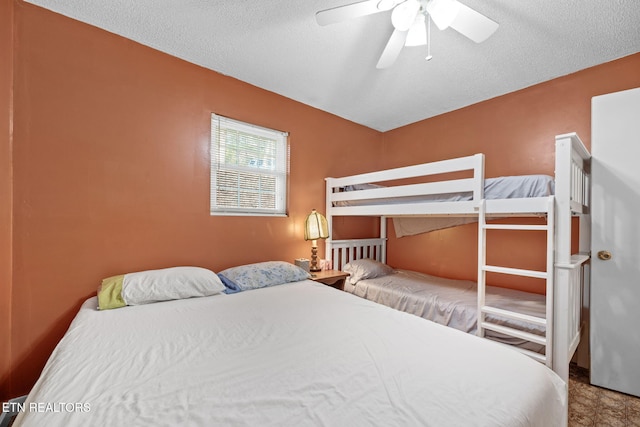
[430, 196]
[297, 353]
[449, 302]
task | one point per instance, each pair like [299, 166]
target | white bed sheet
[291, 355]
[453, 303]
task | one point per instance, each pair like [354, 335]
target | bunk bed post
[478, 195]
[550, 285]
[572, 195]
[563, 198]
[583, 357]
[383, 236]
[328, 213]
[562, 255]
[482, 261]
[478, 177]
[583, 352]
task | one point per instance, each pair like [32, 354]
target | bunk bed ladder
[483, 309]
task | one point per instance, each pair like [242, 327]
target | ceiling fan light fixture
[404, 15]
[417, 35]
[443, 12]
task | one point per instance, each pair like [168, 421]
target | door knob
[604, 255]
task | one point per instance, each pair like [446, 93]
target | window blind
[249, 168]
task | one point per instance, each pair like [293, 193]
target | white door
[615, 241]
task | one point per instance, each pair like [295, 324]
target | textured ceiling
[277, 45]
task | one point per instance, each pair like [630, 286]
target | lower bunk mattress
[296, 354]
[449, 302]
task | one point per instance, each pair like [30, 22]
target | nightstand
[333, 278]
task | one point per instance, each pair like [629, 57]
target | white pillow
[149, 286]
[366, 269]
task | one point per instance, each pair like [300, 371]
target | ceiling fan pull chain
[428, 58]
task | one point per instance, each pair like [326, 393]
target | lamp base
[314, 257]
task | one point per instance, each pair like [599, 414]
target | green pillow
[110, 293]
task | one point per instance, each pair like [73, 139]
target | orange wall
[516, 133]
[6, 84]
[111, 168]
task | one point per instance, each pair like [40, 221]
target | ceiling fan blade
[392, 49]
[350, 11]
[472, 24]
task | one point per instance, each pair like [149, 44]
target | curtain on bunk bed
[413, 225]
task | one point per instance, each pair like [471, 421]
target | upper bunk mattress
[504, 187]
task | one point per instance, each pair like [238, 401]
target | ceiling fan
[411, 19]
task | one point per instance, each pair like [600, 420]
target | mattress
[453, 303]
[297, 354]
[505, 187]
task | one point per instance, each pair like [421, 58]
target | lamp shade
[315, 226]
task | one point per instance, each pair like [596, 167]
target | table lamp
[315, 227]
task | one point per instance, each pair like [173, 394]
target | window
[249, 166]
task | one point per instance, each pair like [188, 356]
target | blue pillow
[230, 285]
[263, 274]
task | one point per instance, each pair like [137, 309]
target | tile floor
[594, 406]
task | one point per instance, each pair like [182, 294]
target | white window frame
[248, 164]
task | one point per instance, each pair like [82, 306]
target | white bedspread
[291, 355]
[453, 303]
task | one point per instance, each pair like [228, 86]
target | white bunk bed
[565, 273]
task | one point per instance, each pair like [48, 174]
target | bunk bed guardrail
[342, 203]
